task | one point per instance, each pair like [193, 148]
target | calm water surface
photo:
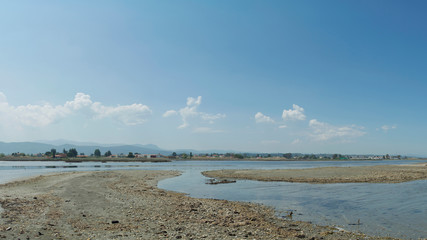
[397, 210]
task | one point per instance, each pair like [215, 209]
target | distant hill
[24, 147]
[88, 148]
[35, 147]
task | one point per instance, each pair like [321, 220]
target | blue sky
[264, 76]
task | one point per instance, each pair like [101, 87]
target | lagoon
[396, 210]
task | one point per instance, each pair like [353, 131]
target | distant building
[150, 156]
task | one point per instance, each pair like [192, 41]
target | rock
[8, 229]
[326, 233]
[114, 221]
[300, 235]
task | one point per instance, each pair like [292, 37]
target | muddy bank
[363, 174]
[128, 205]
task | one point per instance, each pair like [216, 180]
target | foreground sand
[365, 174]
[127, 205]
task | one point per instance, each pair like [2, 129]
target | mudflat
[362, 174]
[128, 205]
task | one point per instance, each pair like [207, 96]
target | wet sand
[128, 205]
[363, 174]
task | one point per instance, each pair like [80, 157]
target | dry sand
[128, 205]
[364, 174]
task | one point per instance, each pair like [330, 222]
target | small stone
[300, 235]
[8, 229]
[114, 221]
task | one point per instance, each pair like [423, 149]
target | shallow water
[397, 210]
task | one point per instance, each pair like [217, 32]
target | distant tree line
[72, 153]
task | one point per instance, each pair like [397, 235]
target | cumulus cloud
[386, 128]
[296, 113]
[190, 111]
[134, 114]
[261, 118]
[3, 98]
[46, 114]
[323, 131]
[170, 113]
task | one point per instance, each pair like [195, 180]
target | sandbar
[359, 174]
[128, 205]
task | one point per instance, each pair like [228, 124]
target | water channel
[396, 210]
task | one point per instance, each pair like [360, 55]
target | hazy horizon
[277, 76]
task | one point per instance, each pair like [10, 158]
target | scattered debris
[219, 181]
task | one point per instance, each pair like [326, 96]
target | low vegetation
[97, 155]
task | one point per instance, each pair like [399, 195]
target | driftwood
[219, 181]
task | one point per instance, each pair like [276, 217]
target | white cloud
[134, 114]
[261, 118]
[297, 113]
[386, 128]
[80, 101]
[46, 114]
[211, 117]
[38, 115]
[296, 141]
[3, 98]
[194, 101]
[323, 131]
[170, 113]
[190, 111]
[206, 130]
[283, 126]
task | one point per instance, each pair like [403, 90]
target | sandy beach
[363, 174]
[128, 205]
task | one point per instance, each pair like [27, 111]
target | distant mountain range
[88, 148]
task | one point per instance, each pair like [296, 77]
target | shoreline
[127, 204]
[325, 175]
[124, 159]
